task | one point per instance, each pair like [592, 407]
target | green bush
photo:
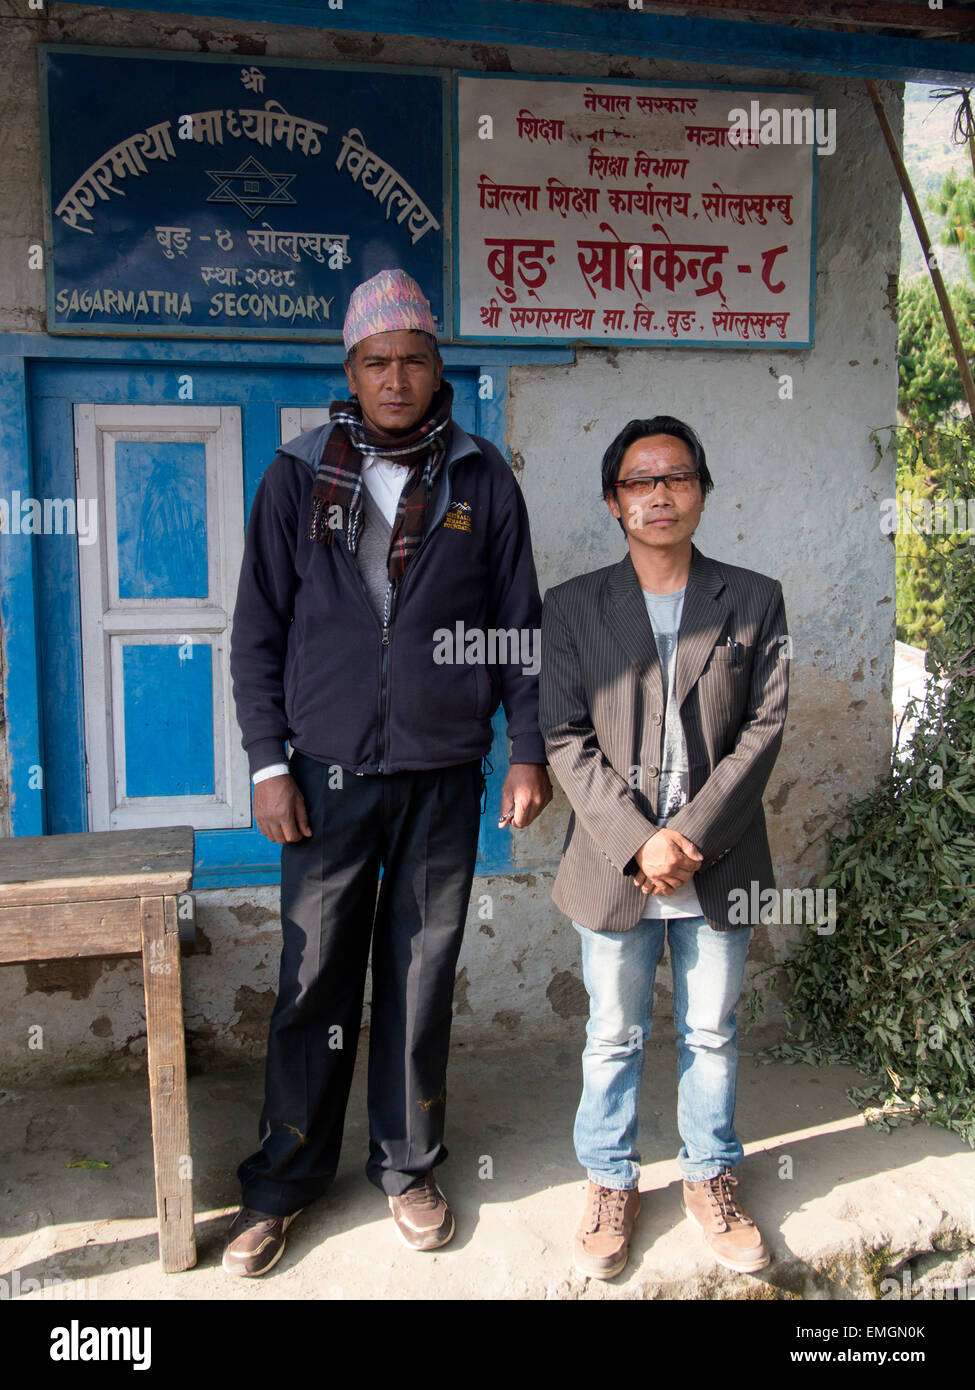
[955, 202]
[890, 990]
[929, 383]
[924, 479]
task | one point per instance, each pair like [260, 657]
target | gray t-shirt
[664, 611]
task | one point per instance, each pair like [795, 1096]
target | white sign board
[618, 211]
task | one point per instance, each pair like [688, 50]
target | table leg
[167, 1083]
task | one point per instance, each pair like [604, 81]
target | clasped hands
[665, 862]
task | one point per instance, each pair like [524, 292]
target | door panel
[160, 514]
[156, 593]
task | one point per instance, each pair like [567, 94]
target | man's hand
[525, 794]
[279, 809]
[665, 862]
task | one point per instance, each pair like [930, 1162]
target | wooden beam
[818, 14]
[618, 32]
[67, 931]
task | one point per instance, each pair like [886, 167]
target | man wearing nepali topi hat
[367, 536]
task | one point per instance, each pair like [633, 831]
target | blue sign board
[212, 195]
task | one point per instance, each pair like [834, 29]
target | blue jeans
[618, 969]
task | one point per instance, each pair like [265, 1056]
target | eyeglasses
[644, 485]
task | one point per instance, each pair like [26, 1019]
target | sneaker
[602, 1242]
[255, 1242]
[423, 1219]
[734, 1239]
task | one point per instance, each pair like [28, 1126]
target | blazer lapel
[627, 616]
[703, 619]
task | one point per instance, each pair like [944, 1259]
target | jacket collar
[704, 616]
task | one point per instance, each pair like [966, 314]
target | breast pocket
[723, 686]
[730, 659]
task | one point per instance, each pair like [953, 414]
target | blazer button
[657, 718]
[653, 771]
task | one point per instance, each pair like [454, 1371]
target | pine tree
[929, 380]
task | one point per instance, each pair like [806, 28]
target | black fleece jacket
[310, 661]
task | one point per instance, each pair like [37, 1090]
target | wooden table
[114, 893]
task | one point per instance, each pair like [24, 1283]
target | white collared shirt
[385, 483]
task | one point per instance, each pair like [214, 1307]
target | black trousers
[422, 828]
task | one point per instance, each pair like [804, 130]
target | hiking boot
[735, 1240]
[423, 1219]
[255, 1242]
[602, 1242]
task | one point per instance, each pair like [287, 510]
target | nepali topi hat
[390, 301]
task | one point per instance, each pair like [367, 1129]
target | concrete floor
[842, 1205]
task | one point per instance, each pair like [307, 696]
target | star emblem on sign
[252, 187]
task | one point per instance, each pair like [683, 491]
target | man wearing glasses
[662, 701]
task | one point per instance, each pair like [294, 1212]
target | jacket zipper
[385, 639]
[388, 617]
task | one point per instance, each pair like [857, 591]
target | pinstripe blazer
[601, 704]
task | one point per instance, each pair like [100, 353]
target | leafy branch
[890, 991]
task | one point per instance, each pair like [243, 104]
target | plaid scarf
[338, 481]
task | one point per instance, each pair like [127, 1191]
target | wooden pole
[939, 285]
